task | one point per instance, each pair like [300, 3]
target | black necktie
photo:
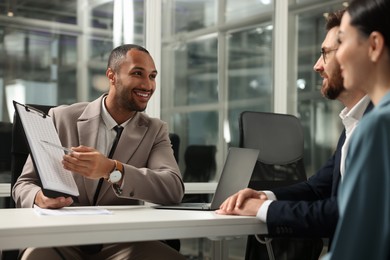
[93, 249]
[118, 130]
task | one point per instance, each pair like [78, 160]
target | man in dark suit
[309, 208]
[112, 167]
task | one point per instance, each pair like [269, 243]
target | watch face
[115, 176]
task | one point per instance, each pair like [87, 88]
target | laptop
[235, 176]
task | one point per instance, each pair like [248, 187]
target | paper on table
[72, 211]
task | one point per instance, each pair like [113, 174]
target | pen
[67, 150]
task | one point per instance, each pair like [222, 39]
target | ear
[111, 76]
[377, 45]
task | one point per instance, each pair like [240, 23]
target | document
[43, 141]
[72, 211]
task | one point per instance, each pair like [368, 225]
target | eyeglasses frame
[326, 52]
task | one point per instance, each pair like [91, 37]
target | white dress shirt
[350, 119]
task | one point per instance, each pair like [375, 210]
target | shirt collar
[109, 122]
[353, 115]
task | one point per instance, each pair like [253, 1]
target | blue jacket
[363, 230]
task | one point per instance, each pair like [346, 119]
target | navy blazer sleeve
[308, 208]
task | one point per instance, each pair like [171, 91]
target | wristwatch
[116, 175]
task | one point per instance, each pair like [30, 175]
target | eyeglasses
[325, 52]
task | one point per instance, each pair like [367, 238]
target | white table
[21, 228]
[190, 188]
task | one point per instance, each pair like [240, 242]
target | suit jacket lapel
[337, 163]
[88, 127]
[131, 138]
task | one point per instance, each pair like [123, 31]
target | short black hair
[118, 54]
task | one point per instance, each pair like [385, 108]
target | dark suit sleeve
[311, 210]
[317, 187]
[303, 218]
[308, 208]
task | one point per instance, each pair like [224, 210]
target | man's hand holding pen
[88, 162]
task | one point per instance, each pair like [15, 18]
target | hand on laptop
[245, 202]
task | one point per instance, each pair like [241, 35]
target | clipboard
[39, 130]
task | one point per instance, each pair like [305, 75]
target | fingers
[52, 203]
[73, 162]
[249, 208]
[87, 162]
[245, 194]
[263, 196]
[237, 203]
[82, 148]
[236, 200]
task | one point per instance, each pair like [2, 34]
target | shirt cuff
[270, 194]
[262, 212]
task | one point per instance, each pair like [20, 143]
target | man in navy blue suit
[309, 208]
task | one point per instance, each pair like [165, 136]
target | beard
[127, 102]
[334, 86]
[132, 106]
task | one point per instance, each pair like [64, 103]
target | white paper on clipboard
[39, 127]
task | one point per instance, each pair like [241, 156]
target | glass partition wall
[61, 48]
[216, 63]
[218, 60]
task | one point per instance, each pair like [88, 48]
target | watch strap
[118, 167]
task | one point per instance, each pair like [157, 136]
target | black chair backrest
[5, 147]
[200, 163]
[175, 141]
[20, 149]
[279, 138]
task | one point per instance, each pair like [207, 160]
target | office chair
[5, 150]
[200, 163]
[175, 141]
[200, 166]
[279, 138]
[5, 156]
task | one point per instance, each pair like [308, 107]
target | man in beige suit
[142, 167]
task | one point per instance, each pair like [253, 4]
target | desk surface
[190, 188]
[21, 228]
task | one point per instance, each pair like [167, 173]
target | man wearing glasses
[309, 208]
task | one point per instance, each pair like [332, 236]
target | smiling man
[120, 157]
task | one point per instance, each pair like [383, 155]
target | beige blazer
[150, 170]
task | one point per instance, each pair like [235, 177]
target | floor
[200, 248]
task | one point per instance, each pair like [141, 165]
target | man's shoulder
[145, 119]
[75, 109]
